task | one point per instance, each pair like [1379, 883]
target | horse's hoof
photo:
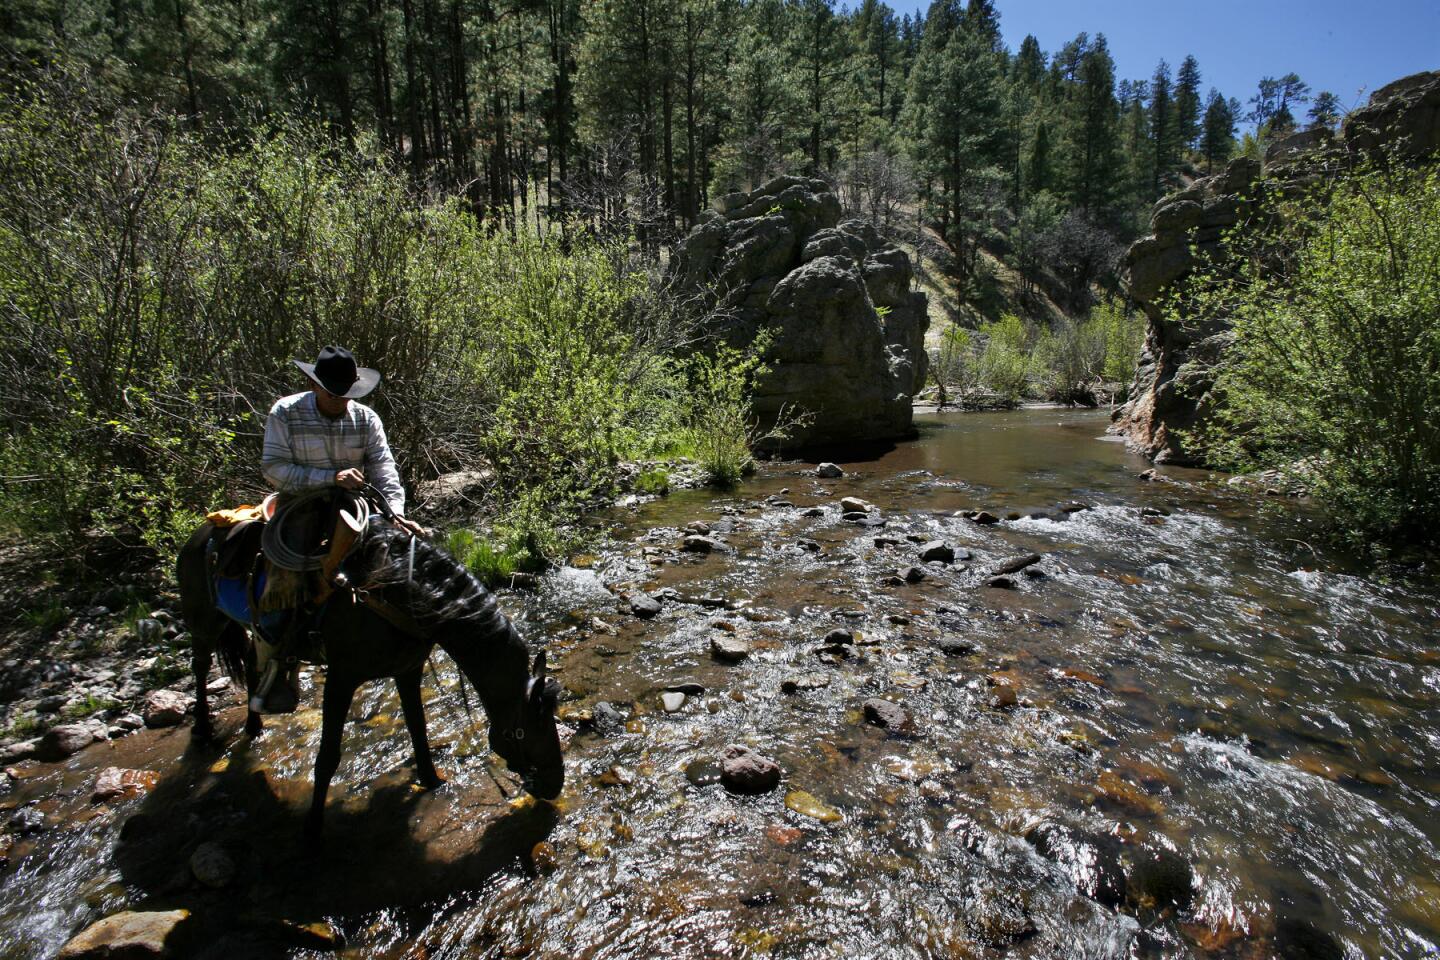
[434, 781]
[202, 733]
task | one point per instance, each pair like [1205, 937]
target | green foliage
[91, 704]
[156, 286]
[1121, 331]
[526, 539]
[719, 426]
[1004, 363]
[25, 725]
[45, 619]
[1334, 374]
[654, 483]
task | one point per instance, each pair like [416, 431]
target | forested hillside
[634, 114]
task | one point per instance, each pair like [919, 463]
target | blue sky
[1349, 48]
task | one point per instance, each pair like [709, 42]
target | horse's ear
[539, 669]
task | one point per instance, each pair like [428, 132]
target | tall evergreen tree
[1094, 157]
[1163, 133]
[1217, 140]
[1187, 104]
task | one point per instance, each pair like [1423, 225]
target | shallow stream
[1186, 731]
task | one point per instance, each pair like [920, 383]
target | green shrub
[154, 287]
[1004, 364]
[47, 618]
[1334, 372]
[655, 483]
[720, 425]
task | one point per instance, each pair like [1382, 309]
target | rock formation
[848, 333]
[1187, 229]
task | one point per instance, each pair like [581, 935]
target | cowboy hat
[335, 370]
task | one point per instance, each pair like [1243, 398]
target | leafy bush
[154, 287]
[655, 483]
[1004, 365]
[1334, 373]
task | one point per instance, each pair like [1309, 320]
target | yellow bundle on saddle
[233, 516]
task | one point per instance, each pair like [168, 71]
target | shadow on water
[388, 844]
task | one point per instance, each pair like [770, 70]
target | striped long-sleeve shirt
[304, 448]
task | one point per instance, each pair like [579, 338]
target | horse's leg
[202, 650]
[339, 691]
[254, 723]
[408, 686]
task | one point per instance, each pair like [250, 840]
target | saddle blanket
[234, 601]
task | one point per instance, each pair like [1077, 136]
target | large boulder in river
[847, 330]
[1188, 230]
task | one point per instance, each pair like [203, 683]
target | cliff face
[848, 331]
[1187, 229]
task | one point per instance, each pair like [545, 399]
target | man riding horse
[405, 596]
[322, 439]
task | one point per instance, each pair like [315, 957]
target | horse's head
[529, 744]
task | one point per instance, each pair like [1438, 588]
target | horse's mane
[438, 590]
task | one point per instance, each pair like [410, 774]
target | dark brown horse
[441, 602]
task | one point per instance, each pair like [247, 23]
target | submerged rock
[212, 866]
[129, 935]
[809, 681]
[1015, 564]
[672, 701]
[745, 771]
[643, 605]
[937, 551]
[729, 648]
[892, 716]
[807, 805]
[113, 782]
[1161, 878]
[1092, 861]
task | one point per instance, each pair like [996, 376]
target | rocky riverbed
[998, 692]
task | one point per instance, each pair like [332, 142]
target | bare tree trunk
[412, 96]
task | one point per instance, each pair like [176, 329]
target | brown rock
[64, 740]
[892, 716]
[126, 935]
[114, 782]
[745, 771]
[166, 708]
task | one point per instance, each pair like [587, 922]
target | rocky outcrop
[1188, 229]
[848, 332]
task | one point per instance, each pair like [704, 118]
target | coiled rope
[278, 531]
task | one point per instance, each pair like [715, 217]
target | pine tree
[818, 45]
[1029, 67]
[1325, 111]
[1217, 140]
[1094, 159]
[1163, 133]
[1187, 104]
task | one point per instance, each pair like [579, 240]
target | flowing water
[1185, 732]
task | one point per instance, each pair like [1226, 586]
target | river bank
[1179, 732]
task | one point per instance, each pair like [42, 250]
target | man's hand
[412, 527]
[350, 479]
